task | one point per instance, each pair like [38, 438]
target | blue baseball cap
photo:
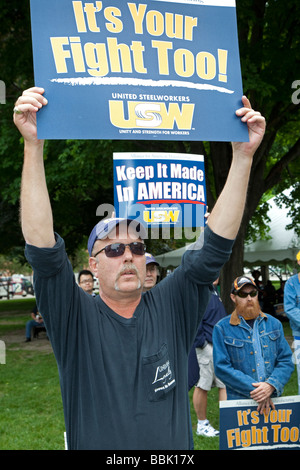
[150, 259]
[103, 228]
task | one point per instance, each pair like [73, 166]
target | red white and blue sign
[160, 189]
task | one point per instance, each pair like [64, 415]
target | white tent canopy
[281, 248]
[283, 245]
[172, 258]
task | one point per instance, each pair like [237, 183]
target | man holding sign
[122, 356]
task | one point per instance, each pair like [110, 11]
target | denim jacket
[292, 303]
[245, 355]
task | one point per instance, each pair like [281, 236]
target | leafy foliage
[79, 173]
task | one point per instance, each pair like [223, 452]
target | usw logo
[164, 216]
[151, 115]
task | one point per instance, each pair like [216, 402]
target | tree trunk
[232, 269]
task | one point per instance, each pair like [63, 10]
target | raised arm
[227, 213]
[36, 212]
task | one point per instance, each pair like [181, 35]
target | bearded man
[251, 354]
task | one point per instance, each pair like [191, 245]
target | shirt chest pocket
[270, 344]
[236, 349]
[158, 374]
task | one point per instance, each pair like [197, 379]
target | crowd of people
[268, 295]
[123, 354]
[204, 360]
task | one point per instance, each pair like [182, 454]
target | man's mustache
[130, 267]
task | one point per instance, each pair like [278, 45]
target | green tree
[269, 46]
[79, 173]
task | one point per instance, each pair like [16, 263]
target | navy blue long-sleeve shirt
[124, 381]
[215, 311]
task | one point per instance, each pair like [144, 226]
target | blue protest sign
[243, 427]
[160, 188]
[161, 70]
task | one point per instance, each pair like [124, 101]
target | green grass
[16, 305]
[201, 442]
[31, 414]
[12, 323]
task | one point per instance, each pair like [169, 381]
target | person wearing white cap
[291, 301]
[122, 356]
[251, 355]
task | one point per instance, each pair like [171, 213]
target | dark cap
[150, 259]
[106, 226]
[240, 282]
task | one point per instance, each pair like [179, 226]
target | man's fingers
[247, 113]
[246, 102]
[24, 108]
[29, 102]
[33, 96]
[34, 89]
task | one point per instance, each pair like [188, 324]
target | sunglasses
[118, 249]
[243, 295]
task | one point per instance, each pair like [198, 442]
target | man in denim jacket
[251, 354]
[292, 310]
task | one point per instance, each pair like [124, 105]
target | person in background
[204, 353]
[152, 272]
[86, 281]
[280, 293]
[260, 287]
[269, 298]
[251, 354]
[36, 320]
[292, 309]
